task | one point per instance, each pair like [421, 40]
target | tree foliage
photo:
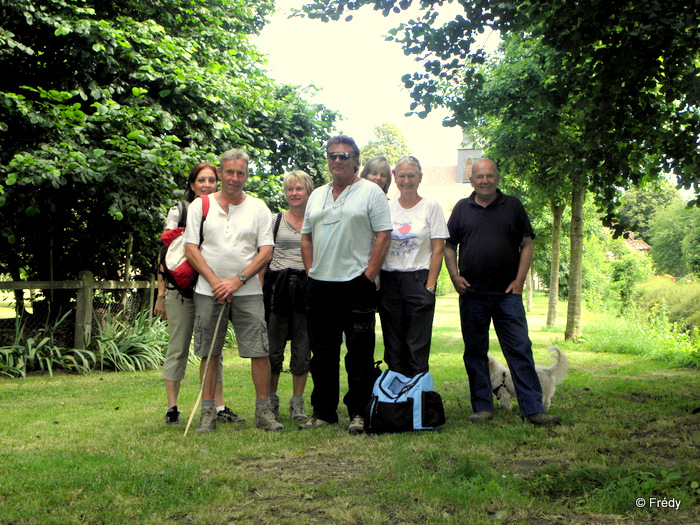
[526, 133]
[628, 70]
[674, 235]
[109, 104]
[389, 143]
[637, 211]
[606, 92]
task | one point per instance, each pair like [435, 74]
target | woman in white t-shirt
[406, 301]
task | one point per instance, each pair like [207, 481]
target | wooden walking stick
[206, 369]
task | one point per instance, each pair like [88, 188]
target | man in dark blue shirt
[493, 235]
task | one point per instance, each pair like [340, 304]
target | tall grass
[130, 346]
[40, 353]
[645, 333]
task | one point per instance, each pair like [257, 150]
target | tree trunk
[573, 320]
[553, 307]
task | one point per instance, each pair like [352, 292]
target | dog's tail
[560, 367]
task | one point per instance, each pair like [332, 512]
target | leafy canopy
[109, 104]
[389, 143]
[627, 71]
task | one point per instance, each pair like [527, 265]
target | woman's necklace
[295, 223]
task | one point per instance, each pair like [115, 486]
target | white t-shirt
[231, 240]
[411, 247]
[342, 231]
[173, 218]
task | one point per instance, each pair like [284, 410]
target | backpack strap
[276, 228]
[182, 211]
[205, 212]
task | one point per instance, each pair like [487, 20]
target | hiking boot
[314, 422]
[275, 405]
[480, 417]
[296, 409]
[172, 416]
[226, 416]
[207, 421]
[265, 419]
[357, 425]
[543, 420]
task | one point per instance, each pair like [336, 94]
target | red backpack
[174, 266]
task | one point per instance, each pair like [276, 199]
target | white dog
[550, 377]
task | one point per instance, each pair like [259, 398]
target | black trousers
[406, 310]
[335, 309]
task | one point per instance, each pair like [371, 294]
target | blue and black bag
[402, 404]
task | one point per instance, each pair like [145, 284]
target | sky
[358, 74]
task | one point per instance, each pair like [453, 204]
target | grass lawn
[93, 449]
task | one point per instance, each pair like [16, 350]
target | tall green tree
[517, 116]
[640, 204]
[109, 104]
[389, 142]
[674, 235]
[626, 72]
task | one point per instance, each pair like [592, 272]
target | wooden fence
[86, 285]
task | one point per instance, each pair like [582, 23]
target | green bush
[627, 271]
[680, 300]
[127, 346]
[120, 345]
[595, 271]
[41, 353]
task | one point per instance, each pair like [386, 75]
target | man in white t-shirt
[236, 244]
[345, 237]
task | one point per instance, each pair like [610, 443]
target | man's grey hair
[484, 159]
[234, 154]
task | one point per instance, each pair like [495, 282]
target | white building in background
[446, 184]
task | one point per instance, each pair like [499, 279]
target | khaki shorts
[246, 313]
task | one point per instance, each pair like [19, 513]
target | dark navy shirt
[488, 241]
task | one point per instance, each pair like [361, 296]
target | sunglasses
[338, 156]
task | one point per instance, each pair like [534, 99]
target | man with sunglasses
[345, 238]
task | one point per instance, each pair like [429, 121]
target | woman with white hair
[406, 301]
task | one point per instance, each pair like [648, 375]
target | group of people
[317, 273]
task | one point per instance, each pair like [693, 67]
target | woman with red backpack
[179, 310]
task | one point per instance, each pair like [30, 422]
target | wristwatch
[242, 277]
[430, 289]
